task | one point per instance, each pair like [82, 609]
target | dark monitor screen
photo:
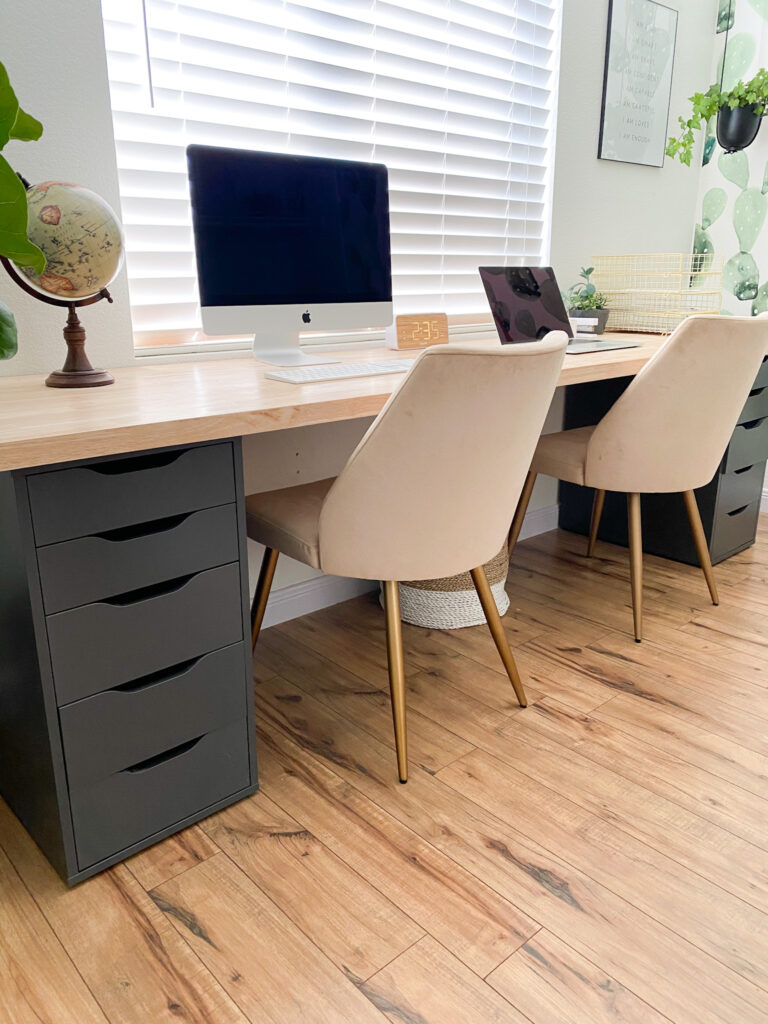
[525, 302]
[273, 229]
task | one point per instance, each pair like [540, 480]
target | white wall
[54, 53]
[601, 207]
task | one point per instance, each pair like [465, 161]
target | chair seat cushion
[288, 520]
[563, 455]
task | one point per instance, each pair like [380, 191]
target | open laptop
[526, 305]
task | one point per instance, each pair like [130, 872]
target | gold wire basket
[655, 292]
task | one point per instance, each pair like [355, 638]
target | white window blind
[454, 96]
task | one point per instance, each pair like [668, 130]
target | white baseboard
[323, 591]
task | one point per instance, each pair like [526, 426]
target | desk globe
[82, 241]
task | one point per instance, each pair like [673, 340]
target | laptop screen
[525, 302]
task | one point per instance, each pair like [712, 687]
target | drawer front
[89, 569]
[84, 500]
[113, 813]
[739, 488]
[735, 529]
[756, 405]
[762, 375]
[99, 646]
[749, 444]
[108, 732]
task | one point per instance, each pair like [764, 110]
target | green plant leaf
[9, 106]
[8, 335]
[735, 167]
[13, 222]
[26, 127]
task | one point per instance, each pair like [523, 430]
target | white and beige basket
[451, 602]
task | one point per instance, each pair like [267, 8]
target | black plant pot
[737, 128]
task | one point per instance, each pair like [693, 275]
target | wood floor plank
[730, 807]
[268, 967]
[349, 920]
[553, 984]
[603, 926]
[725, 927]
[426, 985]
[164, 860]
[471, 920]
[132, 960]
[39, 984]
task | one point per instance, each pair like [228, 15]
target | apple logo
[306, 318]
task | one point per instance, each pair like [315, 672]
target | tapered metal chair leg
[396, 675]
[594, 525]
[636, 561]
[261, 596]
[694, 518]
[522, 508]
[491, 613]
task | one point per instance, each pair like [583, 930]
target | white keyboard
[339, 371]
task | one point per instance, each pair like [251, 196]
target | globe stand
[77, 371]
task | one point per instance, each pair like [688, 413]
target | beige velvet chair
[427, 493]
[667, 432]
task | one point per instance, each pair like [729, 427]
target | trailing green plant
[15, 123]
[705, 105]
[583, 294]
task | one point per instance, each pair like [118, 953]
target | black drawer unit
[729, 504]
[125, 676]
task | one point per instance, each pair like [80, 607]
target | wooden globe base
[77, 371]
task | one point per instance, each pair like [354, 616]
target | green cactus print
[725, 15]
[734, 167]
[710, 141]
[712, 206]
[741, 276]
[761, 6]
[748, 217]
[760, 305]
[740, 54]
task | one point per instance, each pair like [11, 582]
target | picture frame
[637, 82]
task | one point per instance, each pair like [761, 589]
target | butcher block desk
[125, 706]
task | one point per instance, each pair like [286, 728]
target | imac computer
[287, 244]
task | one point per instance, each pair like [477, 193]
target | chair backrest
[668, 431]
[431, 489]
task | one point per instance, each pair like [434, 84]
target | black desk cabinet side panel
[729, 504]
[33, 749]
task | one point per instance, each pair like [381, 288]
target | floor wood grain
[600, 857]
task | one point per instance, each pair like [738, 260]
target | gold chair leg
[522, 508]
[694, 518]
[491, 613]
[636, 561]
[594, 526]
[396, 674]
[263, 587]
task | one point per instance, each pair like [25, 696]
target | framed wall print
[637, 83]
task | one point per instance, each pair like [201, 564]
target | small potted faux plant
[739, 111]
[585, 301]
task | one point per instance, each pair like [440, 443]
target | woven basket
[451, 602]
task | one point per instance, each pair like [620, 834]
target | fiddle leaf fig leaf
[8, 336]
[13, 222]
[9, 107]
[26, 127]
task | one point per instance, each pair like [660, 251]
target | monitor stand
[282, 349]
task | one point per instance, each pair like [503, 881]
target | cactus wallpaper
[733, 198]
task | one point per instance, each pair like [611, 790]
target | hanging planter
[739, 113]
[737, 127]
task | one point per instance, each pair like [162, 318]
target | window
[455, 96]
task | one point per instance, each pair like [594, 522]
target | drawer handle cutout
[153, 762]
[746, 469]
[738, 511]
[753, 423]
[145, 593]
[755, 392]
[137, 463]
[143, 682]
[144, 529]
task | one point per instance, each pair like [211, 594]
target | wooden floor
[601, 856]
